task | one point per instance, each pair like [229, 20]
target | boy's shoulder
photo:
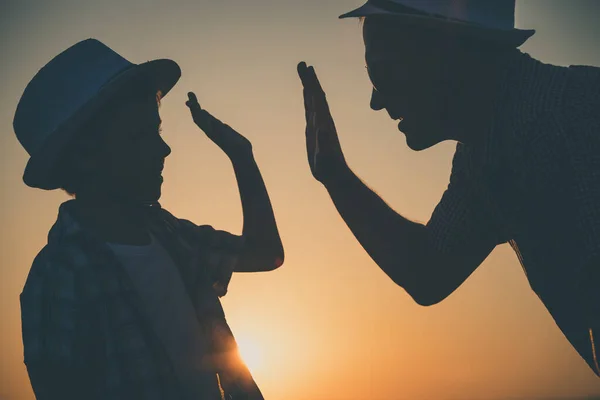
[63, 265]
[50, 277]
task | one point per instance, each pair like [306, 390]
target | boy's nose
[376, 100]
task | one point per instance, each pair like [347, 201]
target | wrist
[338, 174]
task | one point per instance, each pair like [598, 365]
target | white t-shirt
[168, 306]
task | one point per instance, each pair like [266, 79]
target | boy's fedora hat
[67, 92]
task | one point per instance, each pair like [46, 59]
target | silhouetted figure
[122, 303]
[526, 168]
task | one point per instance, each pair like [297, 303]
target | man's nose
[377, 100]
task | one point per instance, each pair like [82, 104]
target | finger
[313, 79]
[205, 120]
[319, 123]
[195, 110]
[308, 92]
[310, 132]
[317, 117]
[308, 77]
[302, 68]
[310, 81]
[192, 103]
[308, 104]
[315, 85]
[309, 110]
[319, 101]
[324, 136]
[192, 98]
[309, 115]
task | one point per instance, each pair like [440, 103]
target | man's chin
[417, 145]
[414, 140]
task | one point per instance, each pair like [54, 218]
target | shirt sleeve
[463, 220]
[221, 252]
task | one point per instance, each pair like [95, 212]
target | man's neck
[474, 107]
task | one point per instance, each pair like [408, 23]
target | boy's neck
[112, 221]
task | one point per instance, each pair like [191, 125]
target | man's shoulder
[464, 159]
[583, 89]
[589, 72]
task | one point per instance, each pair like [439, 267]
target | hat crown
[62, 87]
[498, 14]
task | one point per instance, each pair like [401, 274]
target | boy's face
[132, 153]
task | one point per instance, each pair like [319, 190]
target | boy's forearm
[264, 250]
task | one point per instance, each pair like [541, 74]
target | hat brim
[510, 37]
[163, 74]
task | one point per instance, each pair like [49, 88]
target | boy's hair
[69, 169]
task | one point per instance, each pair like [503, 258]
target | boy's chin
[149, 195]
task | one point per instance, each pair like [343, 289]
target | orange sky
[329, 324]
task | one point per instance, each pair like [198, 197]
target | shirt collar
[67, 226]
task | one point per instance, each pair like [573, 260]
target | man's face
[132, 154]
[411, 80]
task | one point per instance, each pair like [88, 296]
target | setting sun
[251, 353]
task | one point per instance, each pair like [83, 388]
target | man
[527, 164]
[122, 303]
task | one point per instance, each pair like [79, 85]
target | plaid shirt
[84, 332]
[534, 181]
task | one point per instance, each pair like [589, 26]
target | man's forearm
[264, 250]
[396, 244]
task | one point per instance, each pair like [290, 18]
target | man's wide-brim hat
[67, 92]
[490, 20]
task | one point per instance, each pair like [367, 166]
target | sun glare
[251, 353]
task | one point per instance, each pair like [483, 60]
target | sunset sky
[328, 325]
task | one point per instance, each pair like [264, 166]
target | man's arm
[401, 248]
[408, 252]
